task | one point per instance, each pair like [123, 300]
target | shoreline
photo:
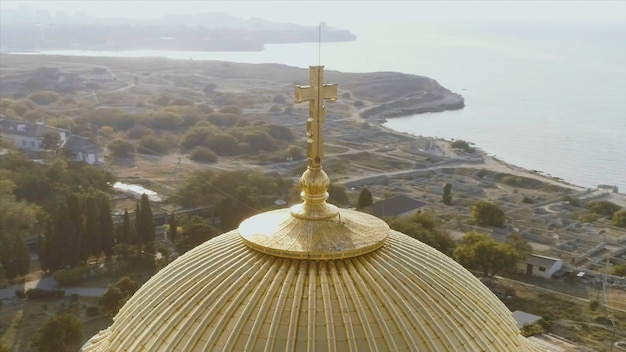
[490, 161]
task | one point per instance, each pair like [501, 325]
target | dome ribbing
[224, 296]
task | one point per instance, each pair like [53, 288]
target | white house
[28, 136]
[83, 149]
[395, 206]
[539, 265]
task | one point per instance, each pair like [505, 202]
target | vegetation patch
[525, 182]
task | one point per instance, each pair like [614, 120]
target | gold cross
[315, 93]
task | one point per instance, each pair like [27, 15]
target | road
[49, 283]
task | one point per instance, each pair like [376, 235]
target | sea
[543, 95]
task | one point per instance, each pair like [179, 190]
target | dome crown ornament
[314, 229]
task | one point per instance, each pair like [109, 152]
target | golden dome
[225, 296]
[312, 278]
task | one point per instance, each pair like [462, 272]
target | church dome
[312, 278]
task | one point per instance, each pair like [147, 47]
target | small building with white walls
[539, 265]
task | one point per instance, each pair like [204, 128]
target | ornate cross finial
[315, 93]
[314, 182]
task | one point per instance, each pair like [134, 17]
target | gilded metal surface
[315, 93]
[314, 182]
[347, 234]
[224, 296]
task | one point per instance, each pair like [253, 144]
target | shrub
[279, 99]
[153, 145]
[463, 145]
[575, 202]
[180, 101]
[120, 148]
[532, 329]
[279, 132]
[39, 293]
[92, 311]
[138, 132]
[528, 200]
[203, 154]
[72, 276]
[223, 144]
[231, 109]
[59, 333]
[44, 97]
[603, 208]
[588, 217]
[22, 106]
[488, 214]
[106, 131]
[619, 218]
[223, 119]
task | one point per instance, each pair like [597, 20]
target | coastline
[387, 94]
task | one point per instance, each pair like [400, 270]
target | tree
[337, 195]
[619, 270]
[60, 333]
[209, 89]
[117, 295]
[231, 214]
[196, 231]
[61, 243]
[365, 199]
[486, 213]
[424, 228]
[125, 229]
[479, 250]
[619, 218]
[153, 145]
[145, 229]
[44, 97]
[112, 301]
[136, 239]
[51, 140]
[173, 227]
[92, 227]
[447, 194]
[75, 230]
[14, 256]
[107, 231]
[223, 144]
[519, 243]
[603, 208]
[463, 145]
[203, 154]
[120, 148]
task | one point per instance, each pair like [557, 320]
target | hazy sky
[345, 13]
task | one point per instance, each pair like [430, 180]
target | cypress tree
[60, 245]
[21, 255]
[41, 249]
[107, 231]
[124, 232]
[92, 227]
[447, 194]
[48, 257]
[75, 230]
[365, 199]
[14, 256]
[173, 228]
[138, 226]
[147, 222]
